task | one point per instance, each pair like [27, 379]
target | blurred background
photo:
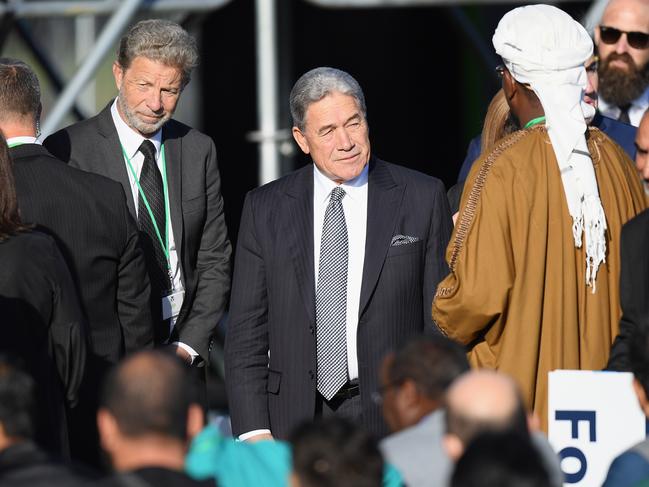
[427, 69]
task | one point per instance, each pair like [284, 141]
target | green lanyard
[534, 121]
[15, 144]
[164, 245]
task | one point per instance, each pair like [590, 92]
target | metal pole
[109, 35]
[267, 74]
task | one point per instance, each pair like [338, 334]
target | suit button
[311, 374]
[311, 330]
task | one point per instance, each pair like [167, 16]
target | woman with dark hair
[40, 318]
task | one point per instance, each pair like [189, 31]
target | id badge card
[171, 304]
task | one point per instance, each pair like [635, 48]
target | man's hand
[260, 437]
[183, 354]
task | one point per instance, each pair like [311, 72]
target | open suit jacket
[196, 207]
[87, 216]
[270, 342]
[634, 287]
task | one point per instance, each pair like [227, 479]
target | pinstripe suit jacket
[270, 344]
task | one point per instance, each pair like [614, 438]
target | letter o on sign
[572, 452]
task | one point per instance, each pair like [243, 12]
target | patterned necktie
[331, 299]
[151, 183]
[624, 114]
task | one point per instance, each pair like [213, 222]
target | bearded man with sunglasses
[622, 39]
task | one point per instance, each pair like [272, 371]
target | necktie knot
[147, 149]
[337, 194]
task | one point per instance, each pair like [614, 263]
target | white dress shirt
[23, 139]
[355, 208]
[131, 141]
[636, 110]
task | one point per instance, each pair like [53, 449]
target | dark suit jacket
[634, 287]
[273, 296]
[196, 206]
[153, 477]
[42, 324]
[87, 216]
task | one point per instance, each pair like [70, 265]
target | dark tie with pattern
[624, 114]
[331, 299]
[151, 183]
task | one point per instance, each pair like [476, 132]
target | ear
[533, 422]
[118, 74]
[195, 420]
[293, 480]
[641, 395]
[453, 446]
[301, 140]
[510, 87]
[108, 430]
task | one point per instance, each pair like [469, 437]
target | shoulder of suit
[175, 128]
[402, 174]
[638, 224]
[286, 182]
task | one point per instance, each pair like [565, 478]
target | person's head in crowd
[20, 99]
[154, 62]
[16, 404]
[591, 95]
[479, 401]
[329, 122]
[333, 452]
[622, 39]
[500, 459]
[642, 150]
[148, 413]
[414, 379]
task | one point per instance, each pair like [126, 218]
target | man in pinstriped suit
[289, 271]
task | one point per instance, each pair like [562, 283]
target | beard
[132, 119]
[619, 87]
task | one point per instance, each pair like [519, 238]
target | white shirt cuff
[250, 434]
[187, 349]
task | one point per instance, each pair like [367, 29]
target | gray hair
[159, 40]
[20, 91]
[314, 85]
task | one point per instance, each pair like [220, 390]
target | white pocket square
[403, 240]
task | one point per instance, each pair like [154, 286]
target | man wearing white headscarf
[534, 257]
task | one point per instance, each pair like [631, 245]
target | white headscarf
[545, 48]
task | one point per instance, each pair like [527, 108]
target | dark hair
[466, 428]
[10, 223]
[333, 452]
[20, 91]
[16, 400]
[500, 459]
[639, 355]
[432, 362]
[149, 393]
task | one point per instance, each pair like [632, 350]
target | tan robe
[517, 291]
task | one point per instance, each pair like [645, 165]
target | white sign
[592, 418]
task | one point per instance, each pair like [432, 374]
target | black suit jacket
[273, 297]
[196, 206]
[634, 287]
[87, 216]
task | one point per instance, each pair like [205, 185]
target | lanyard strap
[165, 244]
[535, 121]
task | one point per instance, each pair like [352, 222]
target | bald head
[484, 400]
[149, 393]
[642, 150]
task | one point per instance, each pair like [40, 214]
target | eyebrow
[356, 116]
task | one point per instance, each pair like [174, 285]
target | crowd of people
[380, 331]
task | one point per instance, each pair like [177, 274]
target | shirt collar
[23, 139]
[353, 188]
[129, 138]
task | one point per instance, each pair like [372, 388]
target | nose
[622, 46]
[154, 101]
[344, 141]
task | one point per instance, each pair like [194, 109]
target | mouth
[619, 64]
[348, 159]
[150, 118]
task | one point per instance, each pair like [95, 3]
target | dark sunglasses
[610, 35]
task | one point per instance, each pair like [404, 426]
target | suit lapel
[112, 160]
[383, 203]
[173, 158]
[300, 235]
